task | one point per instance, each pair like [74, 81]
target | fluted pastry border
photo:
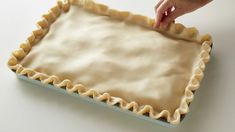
[175, 30]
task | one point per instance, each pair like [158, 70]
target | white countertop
[25, 107]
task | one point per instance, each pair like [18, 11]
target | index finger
[160, 12]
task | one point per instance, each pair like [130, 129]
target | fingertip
[156, 25]
[158, 20]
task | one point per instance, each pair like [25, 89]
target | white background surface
[25, 107]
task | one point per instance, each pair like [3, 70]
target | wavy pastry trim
[174, 30]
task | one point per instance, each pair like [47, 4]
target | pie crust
[115, 60]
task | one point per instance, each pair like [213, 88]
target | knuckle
[170, 1]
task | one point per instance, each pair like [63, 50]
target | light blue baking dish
[90, 100]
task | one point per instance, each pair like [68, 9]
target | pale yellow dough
[120, 58]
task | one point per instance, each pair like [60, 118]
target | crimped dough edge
[174, 30]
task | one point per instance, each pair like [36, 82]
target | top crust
[175, 30]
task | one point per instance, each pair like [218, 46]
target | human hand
[168, 10]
